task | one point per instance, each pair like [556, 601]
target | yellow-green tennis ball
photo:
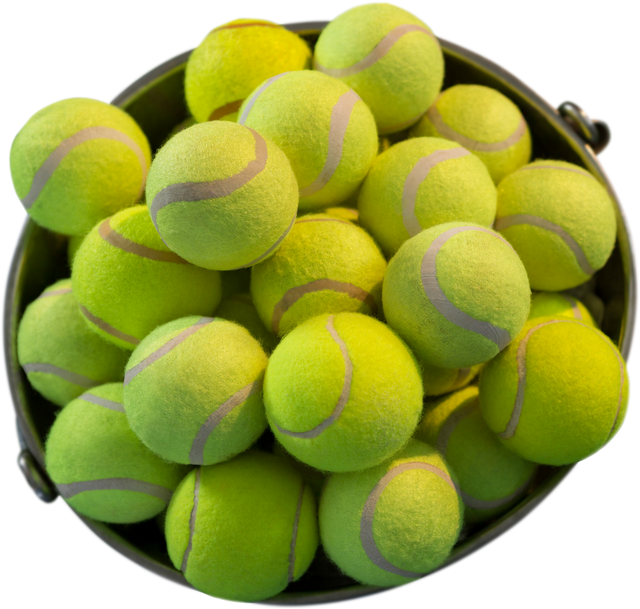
[343, 213]
[100, 467]
[233, 60]
[60, 355]
[388, 57]
[128, 282]
[559, 219]
[313, 477]
[326, 265]
[324, 128]
[78, 161]
[221, 196]
[558, 393]
[546, 304]
[438, 381]
[192, 390]
[72, 247]
[244, 529]
[342, 392]
[491, 478]
[457, 293]
[240, 309]
[483, 121]
[392, 523]
[422, 182]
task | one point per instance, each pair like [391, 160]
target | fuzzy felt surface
[305, 379]
[313, 477]
[318, 247]
[94, 180]
[295, 112]
[224, 232]
[478, 273]
[401, 85]
[90, 442]
[573, 395]
[484, 115]
[169, 401]
[52, 331]
[135, 294]
[232, 61]
[416, 521]
[244, 522]
[486, 470]
[455, 190]
[438, 381]
[72, 247]
[575, 202]
[546, 304]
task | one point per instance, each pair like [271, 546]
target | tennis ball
[240, 309]
[438, 381]
[233, 60]
[127, 281]
[545, 304]
[78, 161]
[244, 529]
[326, 265]
[483, 121]
[221, 196]
[100, 467]
[192, 390]
[72, 247]
[61, 357]
[559, 219]
[422, 182]
[491, 478]
[343, 213]
[457, 293]
[313, 477]
[324, 128]
[392, 523]
[342, 392]
[388, 57]
[558, 393]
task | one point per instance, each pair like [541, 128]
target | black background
[579, 546]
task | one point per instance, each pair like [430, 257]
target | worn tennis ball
[324, 128]
[558, 393]
[60, 355]
[342, 392]
[244, 529]
[546, 304]
[233, 60]
[485, 122]
[326, 265]
[438, 381]
[491, 478]
[559, 219]
[221, 196]
[457, 293]
[392, 523]
[192, 390]
[390, 58]
[422, 182]
[78, 161]
[128, 282]
[100, 467]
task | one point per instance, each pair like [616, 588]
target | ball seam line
[51, 163]
[98, 401]
[65, 375]
[192, 521]
[418, 174]
[516, 219]
[108, 328]
[377, 53]
[59, 292]
[115, 484]
[196, 454]
[294, 537]
[294, 294]
[164, 349]
[344, 393]
[340, 118]
[499, 336]
[229, 108]
[265, 85]
[574, 306]
[368, 511]
[114, 238]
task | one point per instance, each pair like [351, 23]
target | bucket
[156, 102]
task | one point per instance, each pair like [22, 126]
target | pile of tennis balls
[322, 259]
